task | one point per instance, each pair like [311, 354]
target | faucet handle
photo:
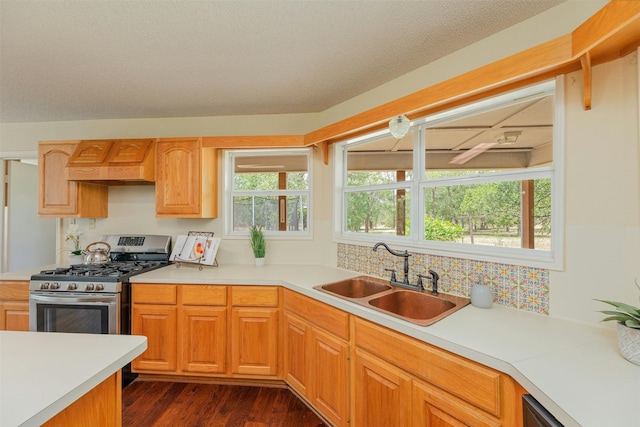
[393, 274]
[419, 283]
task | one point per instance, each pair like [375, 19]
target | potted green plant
[628, 327]
[258, 244]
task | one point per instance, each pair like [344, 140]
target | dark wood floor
[157, 403]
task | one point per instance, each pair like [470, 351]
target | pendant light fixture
[399, 126]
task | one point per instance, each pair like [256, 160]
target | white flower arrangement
[73, 234]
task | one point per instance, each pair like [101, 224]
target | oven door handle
[71, 299]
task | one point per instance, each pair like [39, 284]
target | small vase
[259, 262]
[629, 343]
[481, 296]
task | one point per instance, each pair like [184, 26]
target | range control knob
[89, 287]
[55, 286]
[99, 287]
[44, 285]
[72, 287]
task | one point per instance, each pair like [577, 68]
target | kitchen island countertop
[43, 373]
[572, 369]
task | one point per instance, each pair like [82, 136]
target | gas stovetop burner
[108, 269]
[130, 255]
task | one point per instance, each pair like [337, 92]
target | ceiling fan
[510, 133]
[507, 138]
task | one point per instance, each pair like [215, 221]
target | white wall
[602, 194]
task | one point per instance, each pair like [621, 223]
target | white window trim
[552, 259]
[227, 202]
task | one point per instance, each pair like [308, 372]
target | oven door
[74, 312]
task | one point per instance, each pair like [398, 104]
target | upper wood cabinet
[186, 179]
[58, 197]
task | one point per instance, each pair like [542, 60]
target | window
[476, 181]
[268, 188]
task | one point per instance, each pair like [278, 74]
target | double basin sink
[415, 306]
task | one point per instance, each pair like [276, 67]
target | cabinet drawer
[14, 290]
[203, 295]
[154, 294]
[332, 319]
[470, 381]
[254, 296]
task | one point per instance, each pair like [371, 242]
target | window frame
[229, 166]
[551, 259]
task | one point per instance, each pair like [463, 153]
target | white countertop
[43, 373]
[572, 369]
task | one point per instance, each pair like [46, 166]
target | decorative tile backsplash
[524, 288]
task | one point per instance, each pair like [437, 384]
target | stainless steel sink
[415, 306]
[357, 287]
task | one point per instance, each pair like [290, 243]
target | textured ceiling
[108, 59]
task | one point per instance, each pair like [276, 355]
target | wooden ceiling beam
[257, 141]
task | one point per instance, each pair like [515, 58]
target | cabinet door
[178, 177]
[329, 375]
[296, 348]
[203, 339]
[91, 152]
[129, 151]
[254, 347]
[436, 408]
[382, 393]
[58, 197]
[159, 325]
[14, 316]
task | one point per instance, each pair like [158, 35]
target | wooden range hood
[113, 162]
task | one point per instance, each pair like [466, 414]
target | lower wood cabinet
[417, 384]
[254, 330]
[204, 330]
[185, 326]
[434, 407]
[254, 341]
[382, 393]
[14, 305]
[160, 325]
[352, 371]
[100, 406]
[316, 355]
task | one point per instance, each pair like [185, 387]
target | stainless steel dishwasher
[535, 415]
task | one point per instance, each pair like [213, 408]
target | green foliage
[442, 231]
[257, 208]
[266, 181]
[624, 313]
[371, 209]
[258, 244]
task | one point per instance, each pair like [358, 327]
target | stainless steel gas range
[95, 298]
